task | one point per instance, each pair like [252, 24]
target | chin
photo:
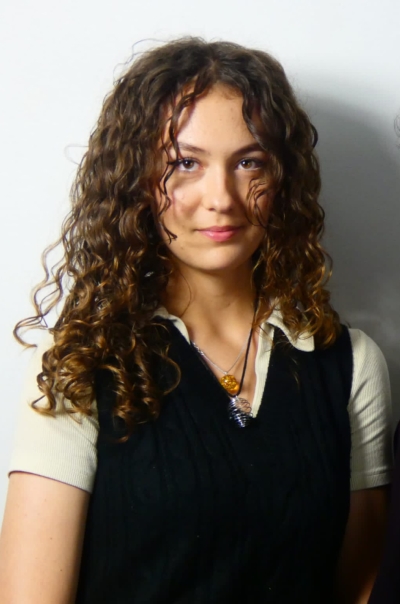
[223, 266]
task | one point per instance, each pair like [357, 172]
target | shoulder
[370, 414]
[366, 352]
[60, 446]
[370, 372]
[35, 364]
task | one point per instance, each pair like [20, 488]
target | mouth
[220, 233]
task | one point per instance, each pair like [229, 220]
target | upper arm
[52, 472]
[370, 415]
[371, 467]
[362, 545]
[41, 540]
[63, 446]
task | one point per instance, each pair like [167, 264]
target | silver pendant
[240, 412]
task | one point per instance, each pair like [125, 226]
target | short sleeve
[61, 447]
[370, 415]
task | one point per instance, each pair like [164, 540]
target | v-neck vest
[192, 509]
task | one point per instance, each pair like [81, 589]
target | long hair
[115, 265]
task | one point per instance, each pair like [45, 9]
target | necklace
[228, 381]
[239, 409]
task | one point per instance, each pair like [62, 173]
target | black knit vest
[195, 510]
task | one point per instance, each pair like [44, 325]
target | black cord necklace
[239, 409]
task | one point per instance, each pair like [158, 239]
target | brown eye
[187, 165]
[250, 164]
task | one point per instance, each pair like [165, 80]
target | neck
[212, 302]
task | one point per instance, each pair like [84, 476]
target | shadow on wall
[361, 195]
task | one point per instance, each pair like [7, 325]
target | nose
[220, 193]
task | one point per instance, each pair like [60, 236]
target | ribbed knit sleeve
[62, 447]
[370, 415]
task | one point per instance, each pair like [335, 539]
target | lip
[220, 233]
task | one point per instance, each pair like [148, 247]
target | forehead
[214, 122]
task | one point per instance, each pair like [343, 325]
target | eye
[251, 163]
[186, 164]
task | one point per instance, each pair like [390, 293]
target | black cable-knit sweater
[194, 510]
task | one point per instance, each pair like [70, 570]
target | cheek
[257, 235]
[260, 210]
[266, 206]
[183, 206]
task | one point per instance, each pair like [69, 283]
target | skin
[362, 546]
[219, 160]
[41, 540]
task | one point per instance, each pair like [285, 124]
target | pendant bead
[230, 383]
[239, 410]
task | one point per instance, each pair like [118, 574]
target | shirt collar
[305, 342]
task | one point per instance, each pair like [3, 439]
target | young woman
[233, 435]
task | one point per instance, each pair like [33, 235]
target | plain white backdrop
[58, 60]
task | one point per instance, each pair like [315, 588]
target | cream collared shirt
[64, 449]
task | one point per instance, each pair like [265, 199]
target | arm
[387, 585]
[53, 466]
[41, 540]
[371, 464]
[362, 546]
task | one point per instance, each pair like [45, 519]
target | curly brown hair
[115, 266]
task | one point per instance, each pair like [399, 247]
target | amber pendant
[230, 383]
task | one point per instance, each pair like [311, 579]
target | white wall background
[57, 61]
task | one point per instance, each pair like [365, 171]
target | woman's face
[219, 159]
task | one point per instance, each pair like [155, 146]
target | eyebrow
[247, 149]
